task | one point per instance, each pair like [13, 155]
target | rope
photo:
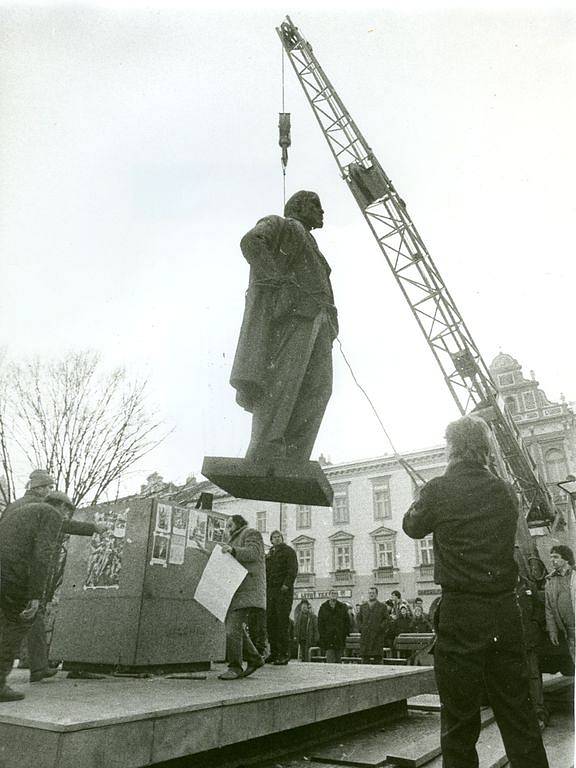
[414, 474]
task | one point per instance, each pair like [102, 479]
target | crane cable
[284, 131]
[414, 474]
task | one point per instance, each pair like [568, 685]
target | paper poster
[180, 521]
[105, 558]
[221, 578]
[177, 549]
[160, 548]
[196, 538]
[216, 528]
[163, 518]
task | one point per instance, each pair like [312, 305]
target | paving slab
[490, 750]
[410, 742]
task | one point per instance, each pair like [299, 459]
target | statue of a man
[283, 365]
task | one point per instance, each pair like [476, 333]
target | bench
[416, 646]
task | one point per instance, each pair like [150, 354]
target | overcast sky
[138, 145]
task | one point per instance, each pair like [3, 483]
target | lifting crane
[465, 372]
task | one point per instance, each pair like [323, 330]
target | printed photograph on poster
[160, 549]
[216, 529]
[196, 538]
[106, 549]
[164, 518]
[179, 521]
[177, 550]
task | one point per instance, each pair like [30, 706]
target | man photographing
[473, 515]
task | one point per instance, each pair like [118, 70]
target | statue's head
[307, 208]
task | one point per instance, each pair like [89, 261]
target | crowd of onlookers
[378, 624]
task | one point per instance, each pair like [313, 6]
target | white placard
[218, 584]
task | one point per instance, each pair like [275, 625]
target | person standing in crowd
[419, 622]
[306, 630]
[281, 572]
[246, 545]
[352, 617]
[373, 622]
[532, 611]
[396, 597]
[333, 627]
[29, 543]
[473, 515]
[419, 603]
[560, 593]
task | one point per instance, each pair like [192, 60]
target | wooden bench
[416, 646]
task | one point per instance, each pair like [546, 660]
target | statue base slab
[280, 480]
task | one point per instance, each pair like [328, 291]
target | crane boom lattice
[465, 372]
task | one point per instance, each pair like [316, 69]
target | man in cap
[40, 488]
[29, 543]
[282, 370]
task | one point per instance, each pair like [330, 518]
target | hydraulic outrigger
[450, 341]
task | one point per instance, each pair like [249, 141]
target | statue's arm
[260, 245]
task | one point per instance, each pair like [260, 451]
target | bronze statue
[282, 370]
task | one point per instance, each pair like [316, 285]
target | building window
[426, 551]
[381, 498]
[342, 556]
[385, 553]
[305, 558]
[261, 520]
[340, 510]
[556, 466]
[529, 401]
[512, 404]
[303, 516]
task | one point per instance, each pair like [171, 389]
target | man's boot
[9, 694]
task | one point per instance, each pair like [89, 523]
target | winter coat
[333, 625]
[473, 517]
[29, 544]
[560, 593]
[281, 568]
[289, 277]
[402, 625]
[248, 549]
[69, 527]
[373, 623]
[306, 629]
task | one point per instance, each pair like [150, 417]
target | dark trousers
[13, 630]
[278, 607]
[286, 421]
[480, 645]
[257, 628]
[35, 644]
[239, 646]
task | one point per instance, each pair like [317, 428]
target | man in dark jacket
[29, 543]
[333, 627]
[373, 623]
[246, 545]
[305, 630]
[283, 364]
[281, 571]
[473, 517]
[35, 642]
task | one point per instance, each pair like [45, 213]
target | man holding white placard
[246, 546]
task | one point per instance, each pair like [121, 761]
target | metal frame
[434, 309]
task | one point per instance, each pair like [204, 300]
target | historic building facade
[548, 428]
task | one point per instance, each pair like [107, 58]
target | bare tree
[86, 426]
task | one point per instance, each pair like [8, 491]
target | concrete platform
[120, 723]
